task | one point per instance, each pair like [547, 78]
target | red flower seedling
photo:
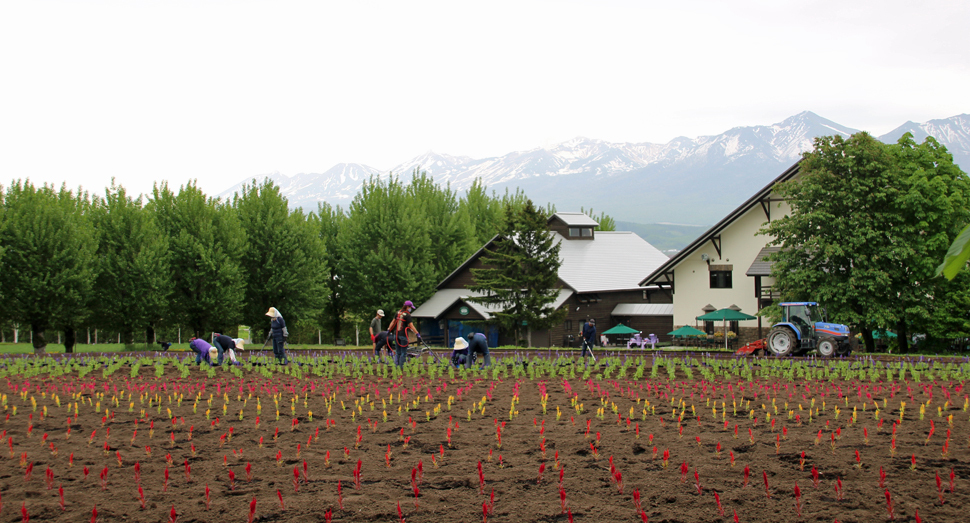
[767, 490]
[207, 499]
[49, 478]
[717, 499]
[481, 479]
[306, 475]
[747, 472]
[400, 514]
[858, 460]
[60, 495]
[839, 492]
[542, 470]
[801, 462]
[912, 465]
[104, 478]
[141, 498]
[697, 482]
[252, 510]
[563, 504]
[684, 469]
[732, 458]
[357, 477]
[296, 479]
[889, 506]
[188, 472]
[24, 516]
[798, 500]
[173, 516]
[232, 479]
[279, 458]
[326, 460]
[882, 478]
[952, 480]
[340, 496]
[636, 500]
[939, 487]
[86, 471]
[279, 496]
[94, 514]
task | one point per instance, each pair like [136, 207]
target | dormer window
[581, 232]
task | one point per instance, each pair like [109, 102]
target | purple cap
[409, 304]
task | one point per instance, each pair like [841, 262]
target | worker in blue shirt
[589, 337]
[477, 343]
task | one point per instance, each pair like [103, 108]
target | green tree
[206, 244]
[330, 221]
[48, 244]
[133, 281]
[520, 277]
[607, 223]
[385, 255]
[451, 234]
[868, 222]
[485, 213]
[283, 265]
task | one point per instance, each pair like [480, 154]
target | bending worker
[201, 349]
[477, 343]
[222, 344]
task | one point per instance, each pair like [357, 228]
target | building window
[587, 232]
[721, 280]
[574, 232]
[709, 327]
[569, 326]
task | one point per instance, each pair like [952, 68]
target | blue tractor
[803, 329]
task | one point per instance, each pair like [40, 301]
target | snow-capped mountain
[685, 180]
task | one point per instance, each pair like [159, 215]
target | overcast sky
[224, 90]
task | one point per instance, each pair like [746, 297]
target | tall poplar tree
[133, 281]
[284, 263]
[521, 274]
[206, 243]
[48, 269]
[330, 221]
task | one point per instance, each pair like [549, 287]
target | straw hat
[272, 312]
[240, 344]
[460, 343]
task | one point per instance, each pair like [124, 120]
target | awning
[643, 309]
[760, 266]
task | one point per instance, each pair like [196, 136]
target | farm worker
[477, 343]
[382, 342]
[589, 337]
[398, 332]
[201, 350]
[222, 343]
[279, 334]
[375, 328]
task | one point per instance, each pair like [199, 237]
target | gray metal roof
[760, 266]
[612, 261]
[643, 309]
[445, 298]
[576, 219]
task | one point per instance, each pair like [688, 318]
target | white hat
[272, 312]
[240, 343]
[460, 343]
[380, 312]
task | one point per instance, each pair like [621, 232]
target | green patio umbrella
[621, 329]
[726, 315]
[687, 330]
[879, 334]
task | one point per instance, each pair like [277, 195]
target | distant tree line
[149, 267]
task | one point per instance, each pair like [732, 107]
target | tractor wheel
[781, 341]
[827, 347]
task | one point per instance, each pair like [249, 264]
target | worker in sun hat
[477, 344]
[398, 332]
[278, 333]
[460, 353]
[375, 328]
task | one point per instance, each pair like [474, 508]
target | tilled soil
[449, 489]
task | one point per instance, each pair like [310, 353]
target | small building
[599, 278]
[725, 267]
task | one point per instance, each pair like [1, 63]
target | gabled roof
[721, 225]
[469, 261]
[444, 299]
[574, 219]
[613, 261]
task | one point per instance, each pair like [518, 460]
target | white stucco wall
[740, 243]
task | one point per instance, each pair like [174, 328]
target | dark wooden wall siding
[601, 311]
[557, 225]
[464, 279]
[453, 313]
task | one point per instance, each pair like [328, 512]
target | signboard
[463, 310]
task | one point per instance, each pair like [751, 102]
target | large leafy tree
[133, 282]
[48, 244]
[206, 244]
[284, 263]
[521, 274]
[485, 213]
[453, 238]
[868, 222]
[385, 255]
[330, 221]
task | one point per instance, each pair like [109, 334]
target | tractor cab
[804, 328]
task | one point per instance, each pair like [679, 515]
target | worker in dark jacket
[477, 344]
[222, 344]
[589, 337]
[383, 342]
[278, 334]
